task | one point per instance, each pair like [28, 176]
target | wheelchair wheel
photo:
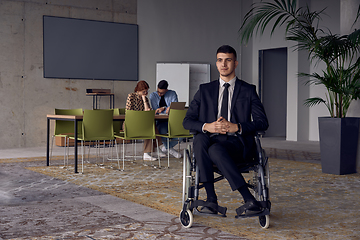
[266, 169]
[186, 218]
[261, 181]
[187, 177]
[264, 221]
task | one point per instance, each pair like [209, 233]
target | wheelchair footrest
[263, 213]
[266, 205]
[216, 207]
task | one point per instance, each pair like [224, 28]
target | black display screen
[87, 49]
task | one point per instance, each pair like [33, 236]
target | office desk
[76, 120]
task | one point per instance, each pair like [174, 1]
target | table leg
[110, 102]
[76, 146]
[113, 101]
[47, 142]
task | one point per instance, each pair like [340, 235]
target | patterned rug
[306, 204]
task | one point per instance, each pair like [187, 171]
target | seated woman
[138, 101]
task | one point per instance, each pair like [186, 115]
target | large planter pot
[338, 144]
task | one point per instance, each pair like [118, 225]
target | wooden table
[76, 120]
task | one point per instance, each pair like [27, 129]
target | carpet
[306, 204]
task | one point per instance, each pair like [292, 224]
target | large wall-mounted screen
[87, 49]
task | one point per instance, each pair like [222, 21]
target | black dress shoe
[253, 207]
[209, 209]
[250, 209]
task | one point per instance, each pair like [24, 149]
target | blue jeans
[162, 126]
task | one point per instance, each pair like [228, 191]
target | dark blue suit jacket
[246, 109]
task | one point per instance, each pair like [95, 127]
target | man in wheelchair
[226, 114]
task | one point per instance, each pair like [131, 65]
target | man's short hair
[163, 84]
[226, 49]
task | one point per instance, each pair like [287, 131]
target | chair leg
[117, 153]
[104, 153]
[152, 147]
[168, 145]
[123, 155]
[97, 150]
[65, 151]
[82, 156]
[157, 147]
[111, 147]
[142, 158]
[89, 151]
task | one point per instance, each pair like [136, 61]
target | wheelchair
[258, 184]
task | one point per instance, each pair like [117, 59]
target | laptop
[177, 106]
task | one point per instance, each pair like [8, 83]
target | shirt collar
[231, 82]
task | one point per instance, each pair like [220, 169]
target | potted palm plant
[340, 54]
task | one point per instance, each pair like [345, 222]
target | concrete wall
[169, 31]
[25, 96]
[185, 31]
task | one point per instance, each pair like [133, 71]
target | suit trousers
[225, 151]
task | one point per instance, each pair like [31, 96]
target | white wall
[332, 21]
[277, 40]
[302, 122]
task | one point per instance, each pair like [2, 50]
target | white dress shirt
[221, 93]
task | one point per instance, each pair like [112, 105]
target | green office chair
[118, 124]
[97, 126]
[65, 129]
[175, 128]
[138, 125]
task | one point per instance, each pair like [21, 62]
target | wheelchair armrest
[193, 132]
[260, 133]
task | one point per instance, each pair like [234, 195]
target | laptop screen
[177, 105]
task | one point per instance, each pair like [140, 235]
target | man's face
[161, 92]
[226, 64]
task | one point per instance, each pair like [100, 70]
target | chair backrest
[118, 124]
[122, 111]
[98, 125]
[66, 127]
[175, 125]
[139, 124]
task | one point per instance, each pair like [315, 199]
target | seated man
[160, 102]
[226, 113]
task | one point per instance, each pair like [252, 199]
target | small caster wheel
[264, 221]
[186, 218]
